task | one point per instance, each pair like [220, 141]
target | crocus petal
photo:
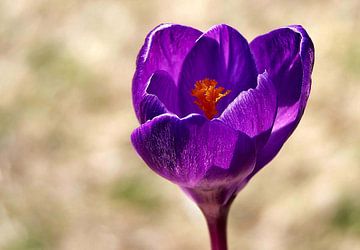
[203, 61]
[160, 91]
[150, 107]
[163, 86]
[240, 69]
[222, 54]
[253, 111]
[164, 49]
[194, 152]
[287, 54]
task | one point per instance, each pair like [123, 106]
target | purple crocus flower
[215, 109]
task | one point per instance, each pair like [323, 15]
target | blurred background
[70, 179]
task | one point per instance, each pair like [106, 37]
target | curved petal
[164, 49]
[150, 107]
[240, 69]
[253, 112]
[288, 55]
[222, 54]
[158, 96]
[203, 61]
[194, 152]
[163, 86]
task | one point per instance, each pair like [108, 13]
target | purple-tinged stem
[217, 225]
[215, 205]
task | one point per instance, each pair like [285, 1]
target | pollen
[207, 96]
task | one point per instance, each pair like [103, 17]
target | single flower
[215, 109]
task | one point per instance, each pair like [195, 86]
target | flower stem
[217, 230]
[216, 219]
[215, 205]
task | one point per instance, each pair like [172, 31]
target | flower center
[207, 96]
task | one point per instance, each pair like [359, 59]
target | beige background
[69, 178]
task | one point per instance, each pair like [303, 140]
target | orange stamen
[208, 96]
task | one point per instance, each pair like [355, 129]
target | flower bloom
[215, 109]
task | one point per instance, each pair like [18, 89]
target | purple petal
[150, 107]
[195, 152]
[222, 54]
[240, 69]
[163, 86]
[164, 49]
[253, 112]
[278, 53]
[203, 61]
[287, 54]
[158, 97]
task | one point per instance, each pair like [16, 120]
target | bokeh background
[69, 178]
